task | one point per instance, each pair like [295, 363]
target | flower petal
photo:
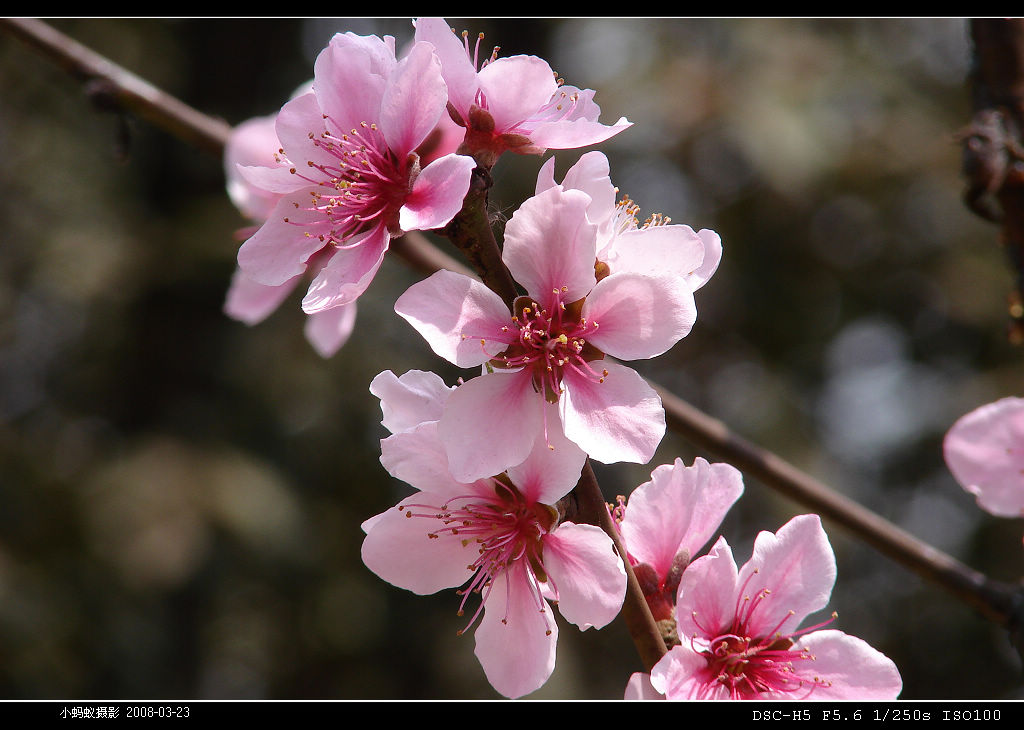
[853, 669]
[639, 687]
[491, 423]
[621, 419]
[514, 88]
[549, 244]
[254, 142]
[799, 568]
[554, 465]
[590, 175]
[350, 270]
[679, 509]
[683, 674]
[398, 549]
[516, 639]
[456, 66]
[587, 574]
[408, 400]
[637, 316]
[327, 331]
[350, 76]
[454, 313]
[437, 194]
[250, 302]
[570, 134]
[706, 601]
[279, 250]
[657, 250]
[712, 257]
[417, 457]
[983, 450]
[414, 99]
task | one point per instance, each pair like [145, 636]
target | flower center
[506, 530]
[362, 187]
[551, 341]
[749, 664]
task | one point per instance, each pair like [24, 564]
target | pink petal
[657, 250]
[414, 100]
[514, 88]
[327, 331]
[297, 120]
[590, 175]
[549, 244]
[253, 142]
[437, 194]
[799, 568]
[587, 574]
[250, 302]
[350, 76]
[279, 250]
[706, 601]
[454, 313]
[269, 183]
[983, 450]
[515, 641]
[683, 674]
[399, 550]
[712, 257]
[566, 135]
[639, 687]
[491, 423]
[553, 466]
[853, 669]
[639, 316]
[545, 176]
[408, 400]
[679, 509]
[417, 457]
[621, 419]
[350, 270]
[456, 66]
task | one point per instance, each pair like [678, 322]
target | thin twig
[1002, 603]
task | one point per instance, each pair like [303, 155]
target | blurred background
[181, 495]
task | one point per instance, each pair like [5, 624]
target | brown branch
[109, 83]
[993, 148]
[996, 601]
[636, 613]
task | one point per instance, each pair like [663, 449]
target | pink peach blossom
[985, 452]
[739, 628]
[500, 537]
[515, 103]
[550, 349]
[254, 143]
[667, 520]
[354, 178]
[656, 246]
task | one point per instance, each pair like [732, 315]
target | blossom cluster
[382, 143]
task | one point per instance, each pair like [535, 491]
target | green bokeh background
[181, 495]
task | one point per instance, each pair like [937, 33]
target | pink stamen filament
[506, 531]
[749, 665]
[362, 189]
[546, 343]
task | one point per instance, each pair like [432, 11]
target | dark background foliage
[181, 495]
